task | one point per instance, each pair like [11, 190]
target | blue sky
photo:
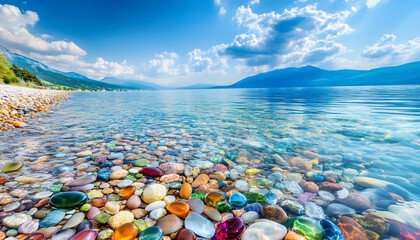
[178, 43]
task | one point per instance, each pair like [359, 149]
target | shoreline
[19, 104]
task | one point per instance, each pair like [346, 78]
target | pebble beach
[151, 176]
[18, 104]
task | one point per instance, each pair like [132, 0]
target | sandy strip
[18, 104]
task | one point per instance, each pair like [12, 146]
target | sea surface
[373, 130]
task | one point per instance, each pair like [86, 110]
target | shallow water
[374, 131]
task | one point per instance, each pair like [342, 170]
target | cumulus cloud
[164, 64]
[63, 55]
[296, 36]
[206, 61]
[388, 51]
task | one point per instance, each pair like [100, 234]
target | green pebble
[105, 234]
[200, 196]
[97, 184]
[141, 224]
[102, 218]
[308, 227]
[139, 175]
[114, 197]
[255, 198]
[12, 167]
[85, 207]
[56, 187]
[217, 159]
[11, 233]
[95, 194]
[131, 177]
[223, 207]
[141, 163]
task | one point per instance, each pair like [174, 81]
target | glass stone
[199, 225]
[331, 231]
[151, 233]
[68, 199]
[238, 200]
[230, 229]
[180, 209]
[271, 198]
[213, 198]
[127, 231]
[223, 207]
[350, 229]
[256, 207]
[308, 227]
[151, 172]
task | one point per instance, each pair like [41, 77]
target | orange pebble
[127, 231]
[98, 202]
[127, 192]
[178, 208]
[186, 191]
[294, 236]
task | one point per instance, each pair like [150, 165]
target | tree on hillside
[6, 74]
[25, 75]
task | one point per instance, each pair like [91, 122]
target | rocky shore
[18, 104]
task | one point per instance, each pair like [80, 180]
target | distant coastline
[19, 104]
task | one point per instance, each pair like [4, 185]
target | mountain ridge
[309, 76]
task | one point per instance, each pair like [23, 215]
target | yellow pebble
[315, 161]
[252, 171]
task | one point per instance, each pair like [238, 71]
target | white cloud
[206, 61]
[217, 2]
[62, 55]
[164, 64]
[295, 37]
[372, 3]
[389, 52]
[222, 11]
[254, 2]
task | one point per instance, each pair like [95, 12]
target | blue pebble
[104, 175]
[152, 147]
[221, 185]
[271, 198]
[150, 180]
[238, 200]
[319, 178]
[256, 207]
[52, 219]
[106, 164]
[331, 231]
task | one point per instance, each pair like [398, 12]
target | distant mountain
[71, 80]
[198, 86]
[133, 84]
[311, 76]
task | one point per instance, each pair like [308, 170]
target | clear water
[375, 130]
